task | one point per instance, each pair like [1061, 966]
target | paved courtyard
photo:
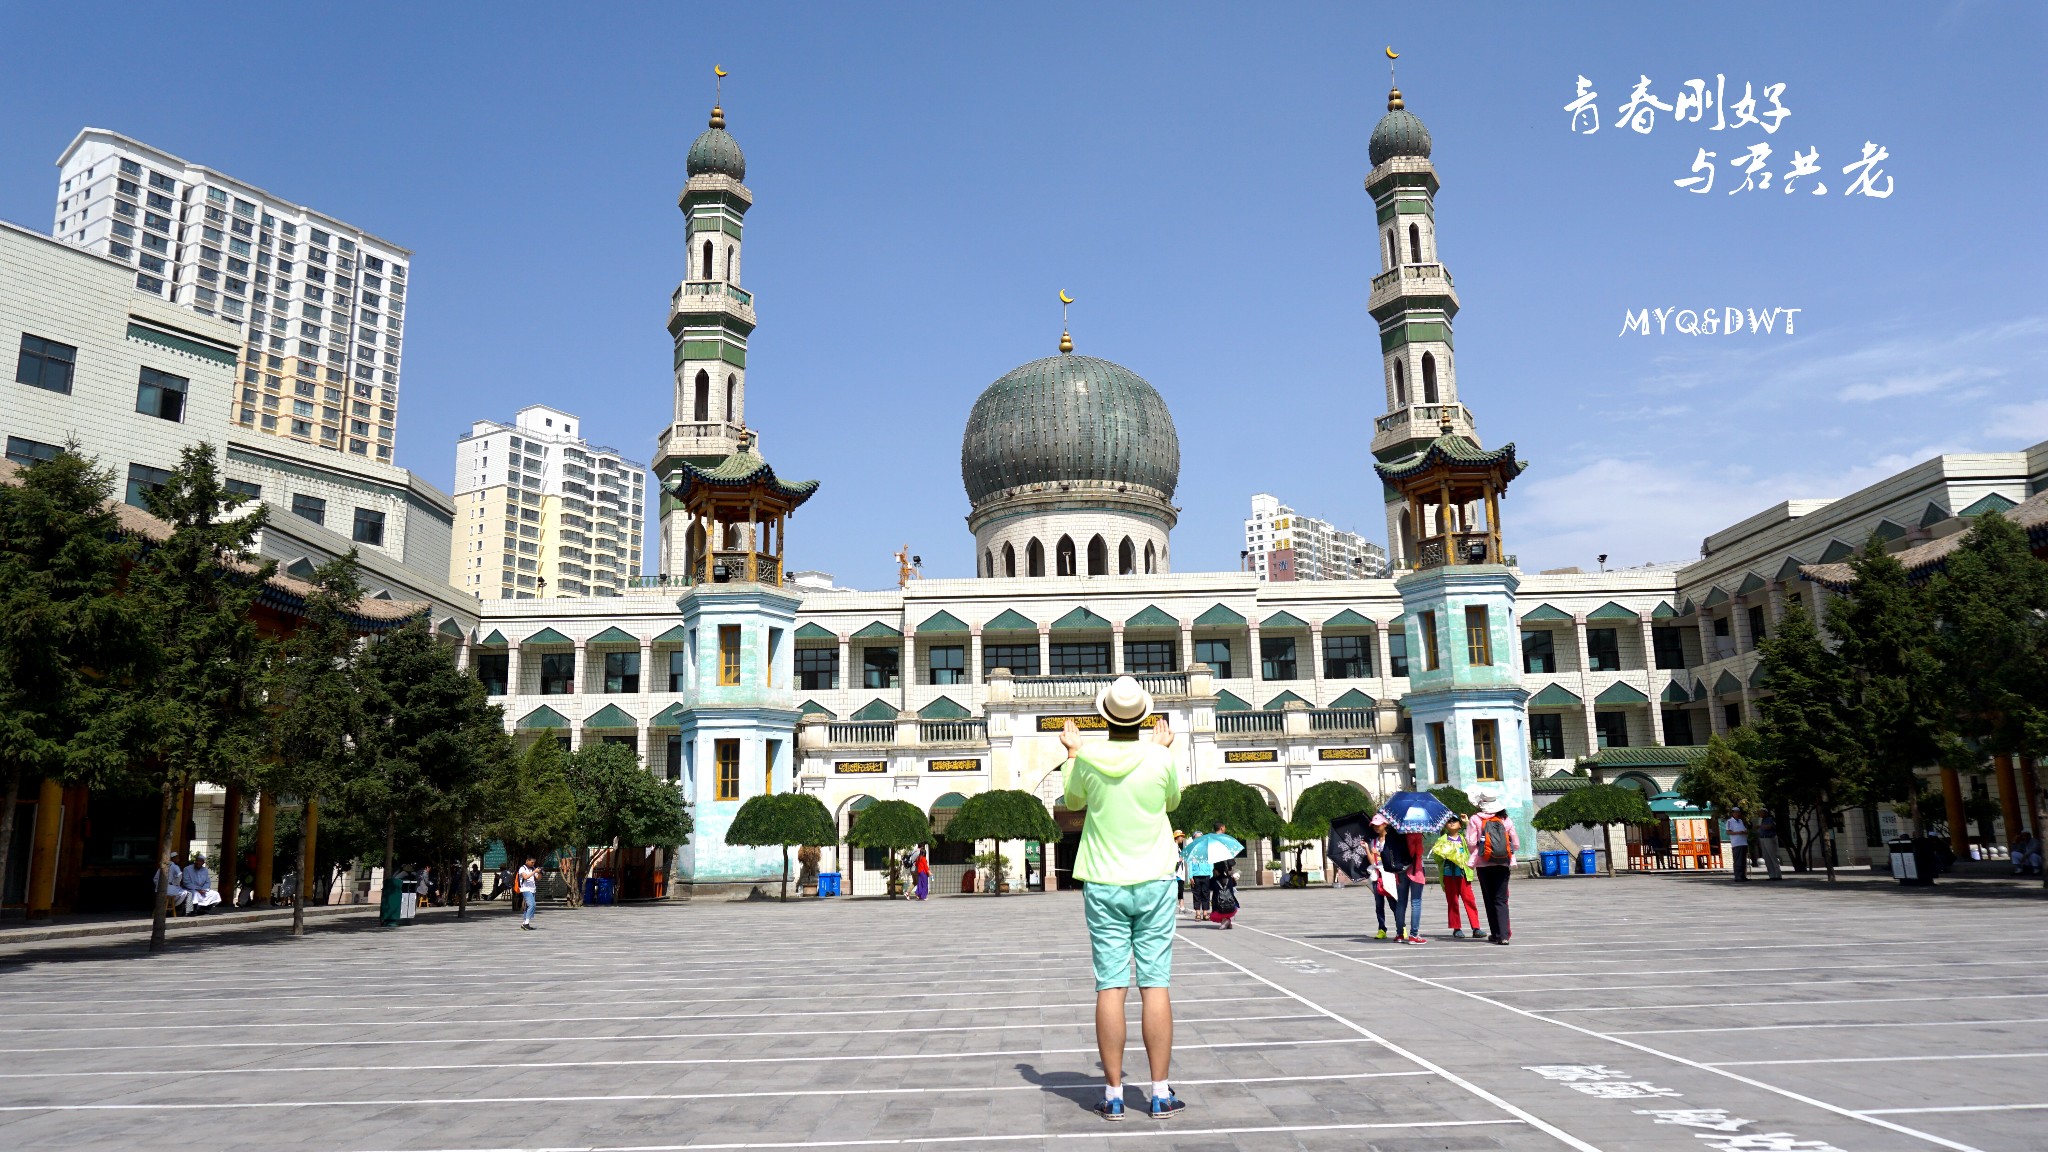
[1636, 1013]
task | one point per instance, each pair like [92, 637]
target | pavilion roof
[1451, 450]
[741, 470]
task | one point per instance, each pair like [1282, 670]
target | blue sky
[927, 177]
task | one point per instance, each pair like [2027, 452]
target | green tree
[784, 820]
[429, 737]
[318, 730]
[1991, 598]
[531, 803]
[1604, 805]
[1884, 635]
[1319, 804]
[891, 825]
[201, 714]
[619, 803]
[1725, 777]
[1455, 799]
[1807, 721]
[1001, 814]
[1241, 809]
[71, 640]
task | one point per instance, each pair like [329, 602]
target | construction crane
[908, 567]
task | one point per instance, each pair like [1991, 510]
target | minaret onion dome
[715, 152]
[1399, 133]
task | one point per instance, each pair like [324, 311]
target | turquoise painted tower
[1466, 700]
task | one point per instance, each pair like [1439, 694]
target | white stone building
[319, 303]
[1282, 544]
[541, 509]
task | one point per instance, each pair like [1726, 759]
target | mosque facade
[1459, 669]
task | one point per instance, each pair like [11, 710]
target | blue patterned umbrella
[1415, 812]
[1214, 846]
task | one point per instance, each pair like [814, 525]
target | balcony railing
[1343, 720]
[1431, 554]
[1235, 723]
[1085, 687]
[1410, 272]
[952, 731]
[862, 732]
[731, 568]
[714, 288]
[1426, 415]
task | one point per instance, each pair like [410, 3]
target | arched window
[1414, 244]
[732, 537]
[1393, 251]
[1126, 558]
[704, 271]
[1065, 557]
[988, 562]
[1400, 385]
[732, 257]
[732, 389]
[1098, 557]
[1034, 559]
[1151, 559]
[701, 411]
[1429, 378]
[1009, 560]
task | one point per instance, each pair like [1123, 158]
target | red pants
[1458, 888]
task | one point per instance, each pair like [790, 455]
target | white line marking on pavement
[1525, 1116]
[1801, 1027]
[1135, 1045]
[1881, 1059]
[1644, 1048]
[1086, 1085]
[675, 1017]
[1751, 1004]
[1959, 1108]
[649, 1037]
[1090, 1134]
[1711, 971]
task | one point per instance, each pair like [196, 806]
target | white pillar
[1256, 672]
[845, 662]
[1586, 685]
[1044, 650]
[462, 656]
[1384, 662]
[1116, 648]
[646, 743]
[512, 670]
[909, 668]
[1315, 664]
[1187, 644]
[577, 681]
[1650, 677]
[647, 667]
[974, 656]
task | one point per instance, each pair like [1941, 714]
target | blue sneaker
[1164, 1106]
[1111, 1110]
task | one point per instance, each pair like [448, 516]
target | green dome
[1399, 133]
[1068, 418]
[716, 153]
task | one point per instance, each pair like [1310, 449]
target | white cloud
[2027, 422]
[1918, 384]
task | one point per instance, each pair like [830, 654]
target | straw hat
[1122, 701]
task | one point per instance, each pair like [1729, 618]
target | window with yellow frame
[728, 761]
[728, 655]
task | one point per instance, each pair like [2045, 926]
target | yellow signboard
[1343, 753]
[967, 765]
[1252, 756]
[859, 767]
[1088, 723]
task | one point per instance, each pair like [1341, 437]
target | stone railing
[952, 731]
[861, 732]
[1085, 687]
[1244, 723]
[713, 288]
[1425, 415]
[1410, 272]
[1343, 720]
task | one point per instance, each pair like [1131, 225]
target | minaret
[1414, 304]
[710, 319]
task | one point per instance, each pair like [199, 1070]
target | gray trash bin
[1912, 861]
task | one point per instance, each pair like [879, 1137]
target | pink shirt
[1472, 831]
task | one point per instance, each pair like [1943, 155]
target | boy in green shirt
[1126, 865]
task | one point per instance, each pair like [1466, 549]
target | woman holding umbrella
[1410, 817]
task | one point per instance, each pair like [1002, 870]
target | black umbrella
[1351, 845]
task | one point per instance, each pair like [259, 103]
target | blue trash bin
[597, 890]
[1549, 859]
[828, 884]
[1589, 861]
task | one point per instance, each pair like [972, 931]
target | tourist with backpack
[1494, 844]
[1454, 864]
[1223, 903]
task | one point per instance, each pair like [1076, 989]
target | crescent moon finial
[718, 72]
[1064, 298]
[1391, 54]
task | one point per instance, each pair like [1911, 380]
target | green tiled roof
[1281, 701]
[1451, 449]
[1150, 616]
[1651, 757]
[1612, 611]
[1727, 685]
[1715, 598]
[1081, 620]
[814, 632]
[450, 628]
[943, 709]
[1992, 502]
[878, 631]
[1228, 702]
[1674, 693]
[1759, 678]
[943, 623]
[1887, 531]
[1217, 617]
[1935, 514]
[1560, 782]
[1354, 699]
[543, 717]
[1546, 614]
[1349, 618]
[678, 634]
[495, 640]
[742, 469]
[610, 716]
[813, 708]
[668, 717]
[547, 636]
[1619, 693]
[1789, 570]
[1283, 620]
[876, 710]
[1685, 607]
[1011, 621]
[1699, 690]
[1664, 611]
[1751, 582]
[1069, 417]
[614, 636]
[1836, 552]
[1555, 696]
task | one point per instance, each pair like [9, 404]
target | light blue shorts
[1131, 922]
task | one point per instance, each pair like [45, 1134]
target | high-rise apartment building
[542, 512]
[320, 304]
[1282, 544]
